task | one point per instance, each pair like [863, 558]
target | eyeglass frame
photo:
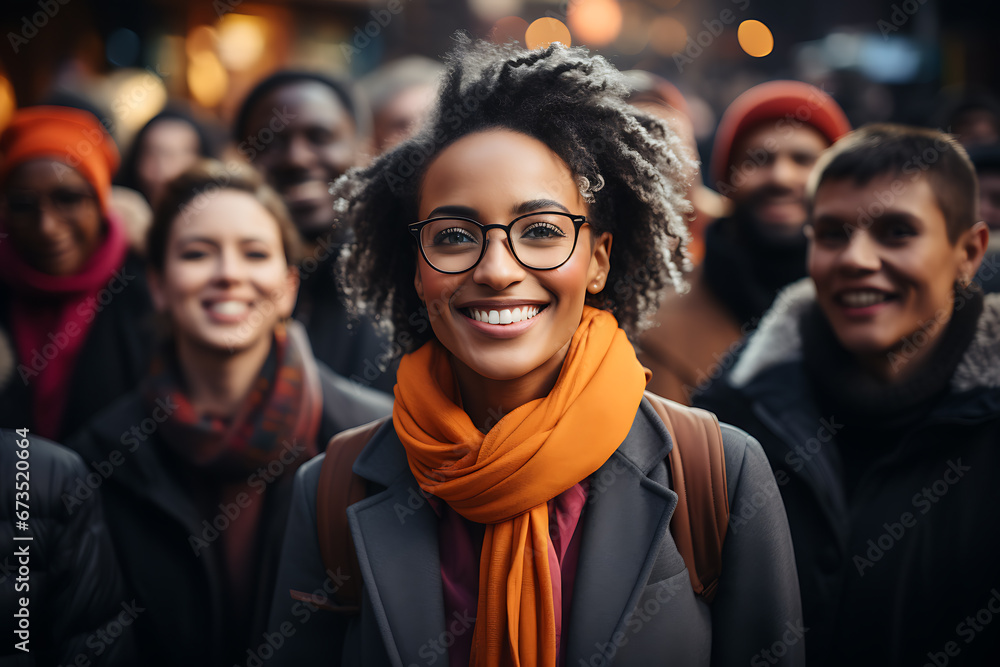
[417, 227]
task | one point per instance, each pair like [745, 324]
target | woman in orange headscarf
[72, 298]
[517, 506]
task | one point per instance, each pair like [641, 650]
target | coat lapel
[396, 536]
[624, 525]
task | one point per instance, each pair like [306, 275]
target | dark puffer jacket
[78, 613]
[905, 570]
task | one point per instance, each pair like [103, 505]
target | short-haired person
[202, 454]
[485, 522]
[73, 298]
[874, 388]
[765, 147]
[302, 130]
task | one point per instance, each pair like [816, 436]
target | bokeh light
[201, 39]
[507, 29]
[207, 79]
[667, 35]
[595, 22]
[8, 101]
[136, 95]
[544, 31]
[755, 38]
[491, 10]
[241, 40]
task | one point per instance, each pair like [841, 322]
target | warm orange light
[595, 22]
[667, 35]
[201, 39]
[755, 38]
[507, 29]
[207, 79]
[242, 39]
[8, 102]
[544, 31]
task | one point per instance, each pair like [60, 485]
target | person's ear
[600, 263]
[971, 247]
[290, 293]
[154, 281]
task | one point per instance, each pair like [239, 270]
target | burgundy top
[460, 542]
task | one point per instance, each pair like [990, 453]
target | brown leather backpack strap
[698, 471]
[339, 488]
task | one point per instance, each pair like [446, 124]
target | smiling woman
[72, 296]
[511, 252]
[239, 403]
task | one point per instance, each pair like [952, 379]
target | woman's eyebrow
[537, 205]
[461, 211]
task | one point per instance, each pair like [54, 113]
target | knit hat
[793, 101]
[70, 136]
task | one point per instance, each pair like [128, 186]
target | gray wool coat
[632, 599]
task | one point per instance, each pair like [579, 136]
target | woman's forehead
[499, 170]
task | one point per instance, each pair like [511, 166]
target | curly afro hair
[631, 168]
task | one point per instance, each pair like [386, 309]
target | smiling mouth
[503, 316]
[229, 308]
[863, 298]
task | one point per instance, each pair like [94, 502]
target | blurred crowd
[171, 315]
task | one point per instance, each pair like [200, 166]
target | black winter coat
[114, 357]
[78, 612]
[153, 519]
[905, 570]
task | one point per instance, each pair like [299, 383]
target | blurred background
[898, 60]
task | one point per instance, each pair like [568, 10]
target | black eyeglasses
[541, 241]
[61, 200]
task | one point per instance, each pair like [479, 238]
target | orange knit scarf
[504, 478]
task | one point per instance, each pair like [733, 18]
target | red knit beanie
[795, 102]
[70, 136]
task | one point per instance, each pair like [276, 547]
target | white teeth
[230, 307]
[862, 299]
[505, 316]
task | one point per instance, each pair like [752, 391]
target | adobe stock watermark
[33, 23]
[258, 481]
[967, 629]
[923, 501]
[900, 16]
[794, 632]
[40, 357]
[380, 20]
[605, 652]
[86, 486]
[713, 29]
[305, 606]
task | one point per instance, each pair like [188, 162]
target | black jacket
[114, 357]
[78, 612]
[897, 571]
[153, 519]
